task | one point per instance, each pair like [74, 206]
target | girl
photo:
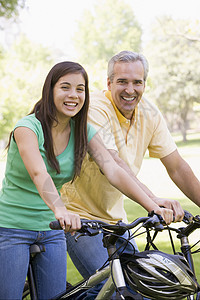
[46, 149]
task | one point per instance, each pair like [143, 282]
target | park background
[36, 34]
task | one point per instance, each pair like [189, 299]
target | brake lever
[188, 217]
[154, 221]
[87, 232]
[79, 235]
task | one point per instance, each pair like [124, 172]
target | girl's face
[69, 95]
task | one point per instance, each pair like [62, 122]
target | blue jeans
[49, 266]
[88, 255]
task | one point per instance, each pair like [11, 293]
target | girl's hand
[70, 222]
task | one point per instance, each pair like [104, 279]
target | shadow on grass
[189, 143]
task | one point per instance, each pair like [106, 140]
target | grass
[163, 243]
[155, 177]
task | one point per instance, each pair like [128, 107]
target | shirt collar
[120, 117]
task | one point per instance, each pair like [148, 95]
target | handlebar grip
[188, 217]
[155, 221]
[55, 225]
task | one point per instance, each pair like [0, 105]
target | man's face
[127, 87]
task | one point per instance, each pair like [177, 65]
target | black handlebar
[153, 220]
[94, 227]
[188, 217]
[55, 225]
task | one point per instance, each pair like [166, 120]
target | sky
[53, 22]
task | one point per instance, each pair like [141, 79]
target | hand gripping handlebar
[93, 227]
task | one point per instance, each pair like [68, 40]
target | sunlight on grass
[192, 139]
[162, 241]
[155, 177]
[73, 276]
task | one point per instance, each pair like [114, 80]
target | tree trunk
[184, 126]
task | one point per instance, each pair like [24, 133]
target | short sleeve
[34, 124]
[91, 131]
[100, 119]
[162, 143]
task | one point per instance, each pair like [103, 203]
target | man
[128, 125]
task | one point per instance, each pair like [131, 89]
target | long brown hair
[45, 112]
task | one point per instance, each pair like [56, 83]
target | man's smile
[129, 99]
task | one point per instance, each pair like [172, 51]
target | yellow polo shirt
[91, 195]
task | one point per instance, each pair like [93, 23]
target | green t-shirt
[20, 203]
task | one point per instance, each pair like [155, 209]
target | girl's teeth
[70, 104]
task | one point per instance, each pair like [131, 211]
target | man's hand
[174, 205]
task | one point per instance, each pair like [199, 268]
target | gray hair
[127, 56]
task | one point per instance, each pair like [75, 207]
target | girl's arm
[120, 179]
[29, 151]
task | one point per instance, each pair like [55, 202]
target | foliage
[173, 54]
[23, 69]
[10, 8]
[107, 28]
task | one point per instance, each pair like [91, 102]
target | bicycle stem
[109, 244]
[185, 248]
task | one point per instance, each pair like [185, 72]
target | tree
[9, 11]
[109, 27]
[173, 54]
[22, 73]
[10, 8]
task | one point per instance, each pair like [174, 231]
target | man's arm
[171, 204]
[183, 176]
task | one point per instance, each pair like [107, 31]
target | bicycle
[123, 268]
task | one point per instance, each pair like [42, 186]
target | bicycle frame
[31, 288]
[113, 273]
[86, 284]
[186, 249]
[183, 234]
[106, 291]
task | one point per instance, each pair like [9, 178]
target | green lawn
[162, 241]
[134, 211]
[154, 175]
